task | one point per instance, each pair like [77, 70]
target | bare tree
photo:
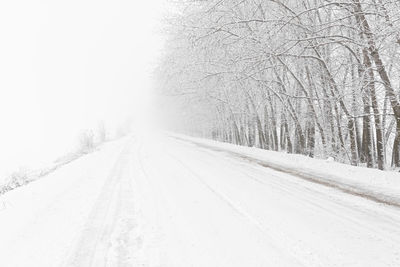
[312, 77]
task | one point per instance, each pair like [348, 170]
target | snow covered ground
[153, 200]
[22, 176]
[379, 186]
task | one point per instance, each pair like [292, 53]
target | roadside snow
[23, 176]
[41, 220]
[379, 186]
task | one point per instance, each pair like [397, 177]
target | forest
[312, 77]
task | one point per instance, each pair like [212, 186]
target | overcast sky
[65, 66]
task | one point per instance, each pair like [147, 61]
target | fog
[66, 66]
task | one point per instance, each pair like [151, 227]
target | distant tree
[101, 133]
[86, 141]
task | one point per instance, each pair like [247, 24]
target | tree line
[313, 77]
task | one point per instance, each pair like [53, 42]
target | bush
[18, 178]
[86, 142]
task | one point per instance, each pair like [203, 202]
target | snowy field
[164, 201]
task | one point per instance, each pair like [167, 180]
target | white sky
[65, 66]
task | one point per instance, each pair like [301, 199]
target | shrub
[86, 142]
[18, 178]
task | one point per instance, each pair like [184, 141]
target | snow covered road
[160, 201]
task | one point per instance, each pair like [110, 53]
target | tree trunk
[373, 50]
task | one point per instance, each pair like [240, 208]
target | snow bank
[379, 186]
[23, 176]
[40, 223]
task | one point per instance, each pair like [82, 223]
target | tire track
[345, 188]
[93, 244]
[308, 198]
[242, 213]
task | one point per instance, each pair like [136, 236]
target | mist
[67, 66]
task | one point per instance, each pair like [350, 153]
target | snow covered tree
[314, 77]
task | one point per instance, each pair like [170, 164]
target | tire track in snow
[333, 207]
[95, 241]
[241, 212]
[345, 188]
[295, 192]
